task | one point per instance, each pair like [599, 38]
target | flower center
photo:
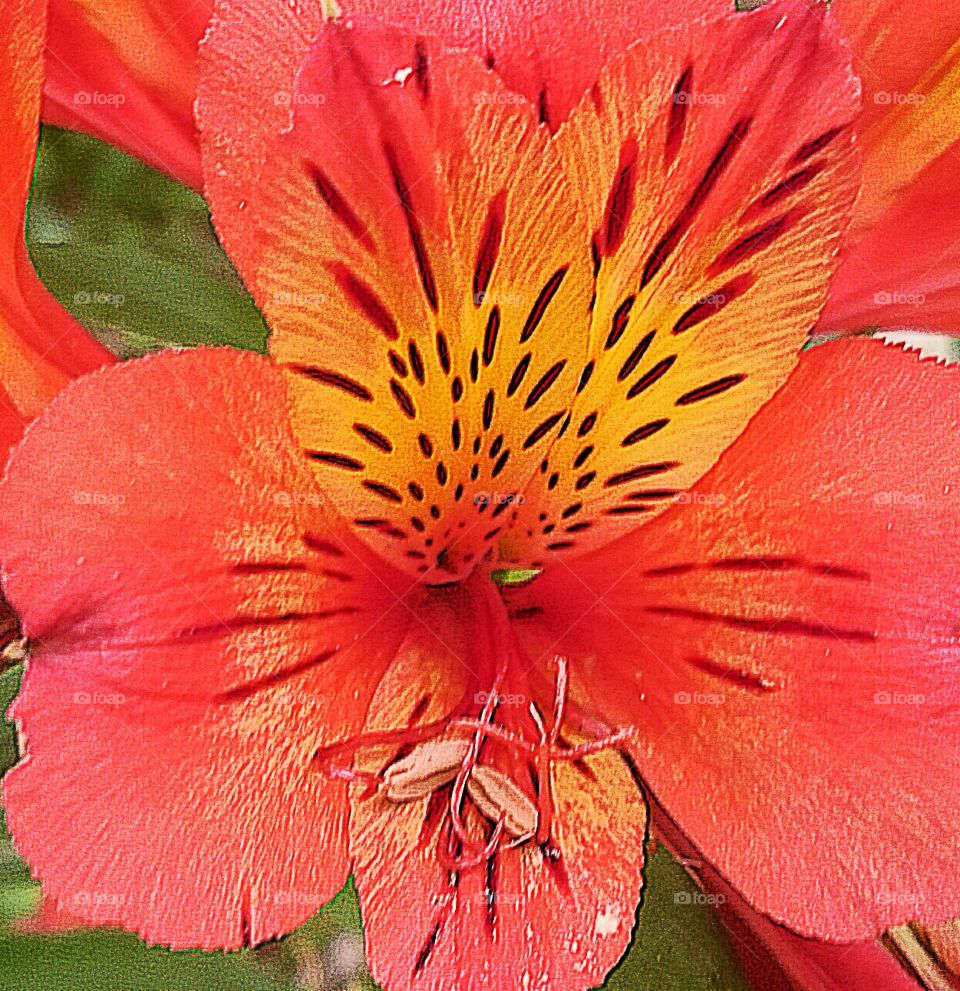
[486, 771]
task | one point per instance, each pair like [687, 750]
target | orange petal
[910, 71]
[900, 265]
[41, 345]
[425, 288]
[905, 270]
[126, 72]
[548, 51]
[199, 624]
[531, 918]
[716, 201]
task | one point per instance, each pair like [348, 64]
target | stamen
[426, 768]
[440, 766]
[501, 800]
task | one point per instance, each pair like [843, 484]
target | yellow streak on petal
[920, 126]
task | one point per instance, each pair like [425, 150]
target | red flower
[126, 71]
[899, 261]
[902, 253]
[279, 632]
[41, 346]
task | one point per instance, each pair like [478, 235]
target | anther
[499, 798]
[427, 767]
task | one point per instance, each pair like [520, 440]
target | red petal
[41, 345]
[526, 921]
[127, 73]
[784, 643]
[900, 265]
[773, 958]
[550, 51]
[198, 626]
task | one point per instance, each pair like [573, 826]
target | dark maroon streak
[774, 625]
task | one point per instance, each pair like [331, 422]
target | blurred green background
[132, 255]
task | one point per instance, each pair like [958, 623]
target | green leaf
[9, 686]
[131, 253]
[18, 899]
[19, 894]
[680, 942]
[93, 961]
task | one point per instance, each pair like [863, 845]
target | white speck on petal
[608, 921]
[400, 76]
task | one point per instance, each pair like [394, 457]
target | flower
[41, 346]
[900, 256]
[126, 72]
[537, 517]
[775, 958]
[907, 125]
